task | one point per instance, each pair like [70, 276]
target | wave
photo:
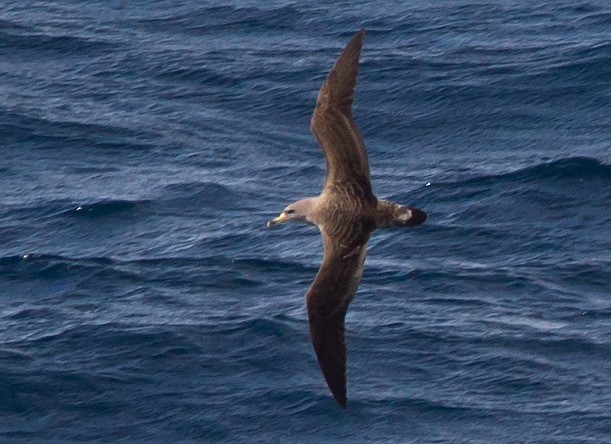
[49, 131]
[560, 173]
[106, 207]
[32, 265]
[225, 19]
[570, 168]
[18, 37]
[180, 196]
[585, 64]
[103, 207]
[566, 170]
[258, 263]
[223, 271]
[562, 193]
[184, 199]
[59, 214]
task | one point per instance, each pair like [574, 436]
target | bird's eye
[289, 211]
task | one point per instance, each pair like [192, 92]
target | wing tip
[329, 344]
[356, 42]
[361, 33]
[341, 399]
[338, 88]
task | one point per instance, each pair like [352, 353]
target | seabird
[345, 212]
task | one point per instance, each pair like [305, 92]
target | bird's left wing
[327, 300]
[334, 128]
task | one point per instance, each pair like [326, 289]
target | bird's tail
[409, 217]
[390, 214]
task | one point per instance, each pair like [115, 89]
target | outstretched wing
[327, 299]
[335, 131]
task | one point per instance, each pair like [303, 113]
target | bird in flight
[345, 212]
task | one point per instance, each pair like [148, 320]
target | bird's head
[295, 212]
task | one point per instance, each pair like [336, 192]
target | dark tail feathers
[408, 217]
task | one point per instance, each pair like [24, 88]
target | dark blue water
[145, 144]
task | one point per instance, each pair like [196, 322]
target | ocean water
[143, 146]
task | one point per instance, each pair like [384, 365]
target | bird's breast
[342, 221]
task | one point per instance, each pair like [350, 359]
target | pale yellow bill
[277, 220]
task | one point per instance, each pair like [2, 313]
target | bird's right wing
[334, 128]
[327, 300]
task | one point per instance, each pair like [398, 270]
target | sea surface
[144, 145]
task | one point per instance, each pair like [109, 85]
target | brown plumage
[346, 212]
